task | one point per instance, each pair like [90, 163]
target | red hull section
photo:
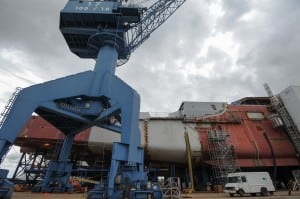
[38, 134]
[250, 136]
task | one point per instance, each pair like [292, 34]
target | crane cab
[81, 19]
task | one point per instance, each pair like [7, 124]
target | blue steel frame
[100, 86]
[98, 83]
[92, 98]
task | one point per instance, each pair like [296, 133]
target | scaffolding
[222, 156]
[287, 120]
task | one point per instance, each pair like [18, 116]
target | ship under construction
[200, 143]
[93, 136]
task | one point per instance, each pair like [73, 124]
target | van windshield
[233, 179]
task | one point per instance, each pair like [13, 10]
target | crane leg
[127, 156]
[34, 98]
[59, 171]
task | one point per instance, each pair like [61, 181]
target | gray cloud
[166, 69]
[269, 42]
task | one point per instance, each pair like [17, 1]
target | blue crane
[107, 31]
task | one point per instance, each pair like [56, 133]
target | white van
[249, 183]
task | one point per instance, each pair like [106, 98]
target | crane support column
[59, 171]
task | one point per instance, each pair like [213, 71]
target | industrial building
[251, 134]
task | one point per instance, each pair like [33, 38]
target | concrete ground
[277, 195]
[204, 195]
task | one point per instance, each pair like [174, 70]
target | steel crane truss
[152, 18]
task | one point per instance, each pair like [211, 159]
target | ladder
[4, 115]
[9, 106]
[287, 120]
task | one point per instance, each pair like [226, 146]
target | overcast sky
[209, 50]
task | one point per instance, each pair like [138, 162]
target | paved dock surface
[277, 195]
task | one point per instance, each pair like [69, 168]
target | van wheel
[231, 194]
[241, 192]
[263, 191]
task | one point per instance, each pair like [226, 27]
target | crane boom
[152, 18]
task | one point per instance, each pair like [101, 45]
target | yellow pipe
[189, 160]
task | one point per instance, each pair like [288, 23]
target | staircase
[9, 106]
[290, 127]
[287, 120]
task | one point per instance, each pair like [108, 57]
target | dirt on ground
[202, 195]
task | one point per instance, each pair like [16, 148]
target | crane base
[6, 187]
